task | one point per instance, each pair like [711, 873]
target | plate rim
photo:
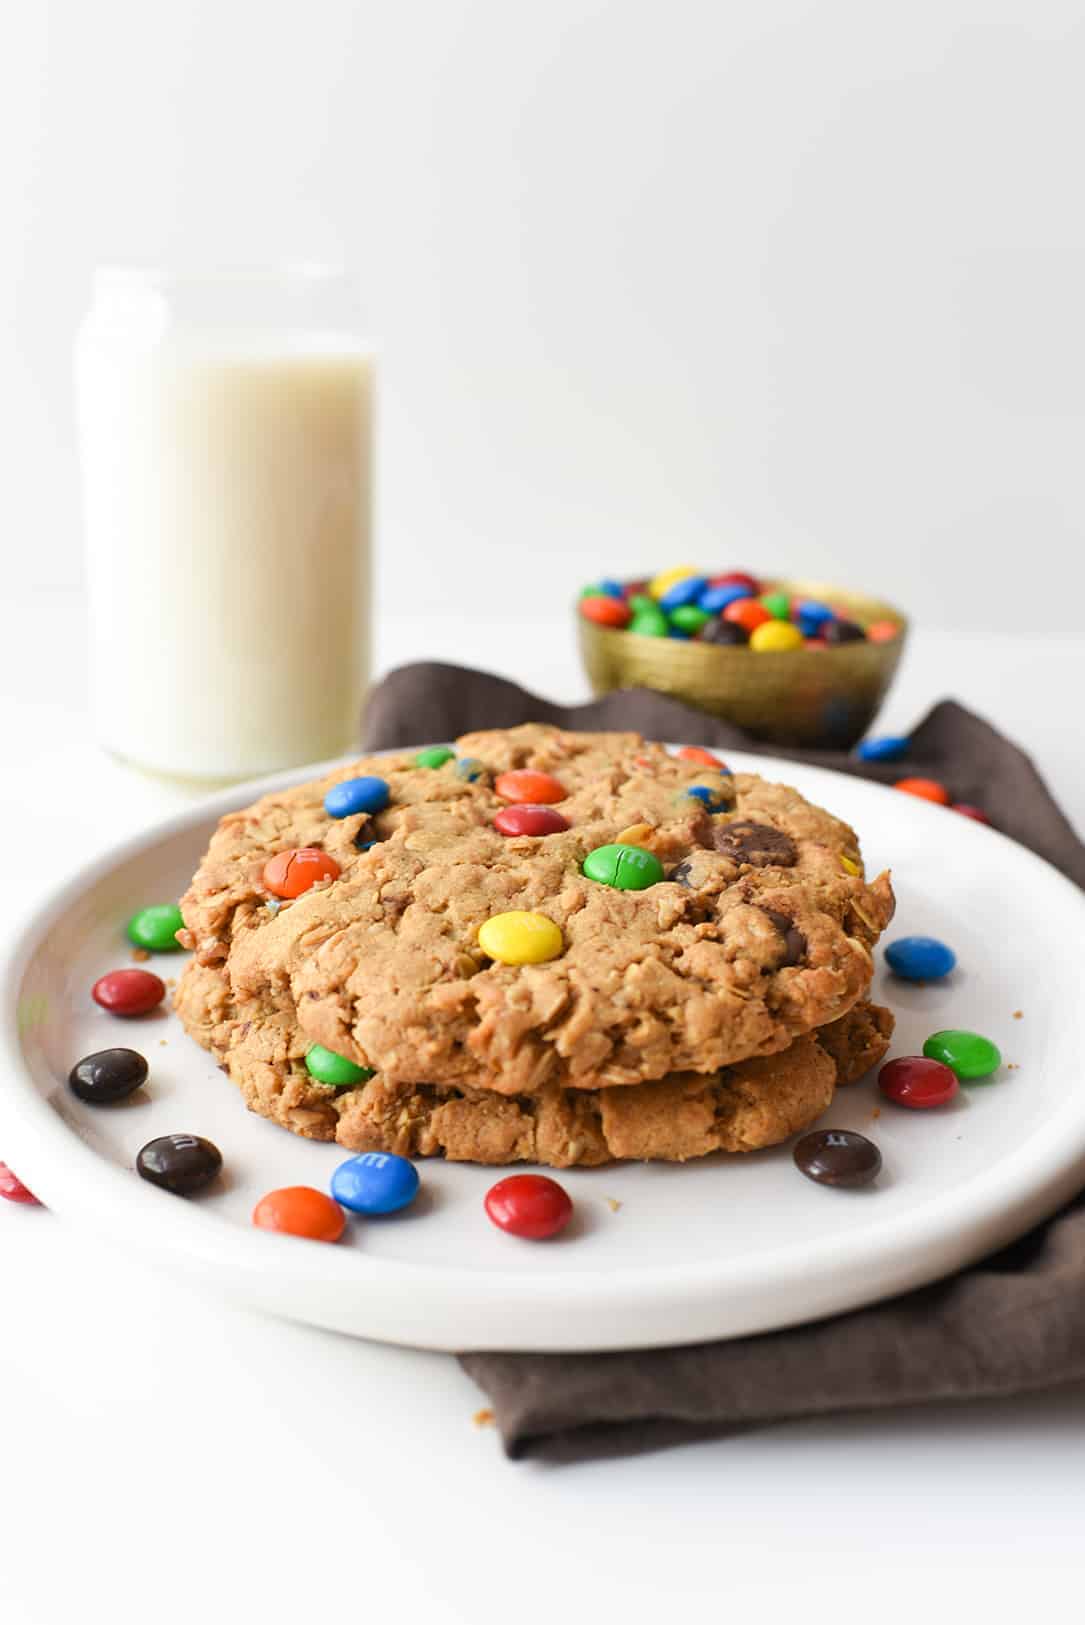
[76, 1181]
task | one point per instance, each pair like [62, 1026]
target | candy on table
[925, 789]
[527, 819]
[882, 631]
[666, 579]
[775, 637]
[519, 937]
[682, 593]
[367, 794]
[335, 1070]
[747, 613]
[290, 873]
[12, 1188]
[606, 611]
[967, 810]
[155, 928]
[696, 753]
[529, 788]
[434, 756]
[920, 959]
[969, 1055]
[887, 748]
[835, 631]
[716, 598]
[839, 1157]
[689, 618]
[180, 1163]
[724, 633]
[108, 1075]
[778, 605]
[626, 868]
[128, 992]
[529, 1205]
[471, 770]
[917, 1081]
[299, 1210]
[375, 1182]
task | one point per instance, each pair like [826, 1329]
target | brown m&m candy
[838, 1156]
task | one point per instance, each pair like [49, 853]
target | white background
[789, 285]
[794, 285]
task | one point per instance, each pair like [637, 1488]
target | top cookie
[761, 929]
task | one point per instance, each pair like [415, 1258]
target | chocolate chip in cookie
[794, 941]
[759, 845]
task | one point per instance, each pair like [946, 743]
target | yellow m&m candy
[773, 636]
[666, 579]
[520, 938]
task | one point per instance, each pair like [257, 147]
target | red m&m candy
[290, 873]
[13, 1190]
[918, 1082]
[966, 809]
[606, 611]
[128, 992]
[747, 613]
[737, 578]
[527, 819]
[523, 785]
[529, 1205]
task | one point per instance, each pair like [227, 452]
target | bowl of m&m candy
[792, 662]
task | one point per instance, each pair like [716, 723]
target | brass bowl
[795, 697]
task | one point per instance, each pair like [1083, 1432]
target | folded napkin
[1012, 1324]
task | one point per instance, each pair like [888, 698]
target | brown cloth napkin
[1012, 1324]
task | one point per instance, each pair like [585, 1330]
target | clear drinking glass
[225, 437]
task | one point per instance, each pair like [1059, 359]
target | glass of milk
[225, 428]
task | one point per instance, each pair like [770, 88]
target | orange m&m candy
[882, 631]
[747, 613]
[928, 789]
[606, 611]
[694, 753]
[523, 786]
[299, 1210]
[292, 872]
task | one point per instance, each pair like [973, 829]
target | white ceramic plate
[713, 1249]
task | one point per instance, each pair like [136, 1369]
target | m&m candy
[471, 770]
[889, 748]
[694, 753]
[525, 819]
[529, 1205]
[12, 1188]
[649, 621]
[969, 1055]
[838, 1156]
[291, 873]
[778, 605]
[713, 800]
[714, 599]
[966, 810]
[107, 1076]
[737, 578]
[723, 632]
[298, 1210]
[775, 637]
[367, 794]
[925, 789]
[613, 612]
[155, 928]
[917, 1081]
[180, 1163]
[666, 579]
[689, 618]
[747, 613]
[882, 631]
[683, 592]
[375, 1182]
[129, 992]
[523, 785]
[520, 938]
[434, 756]
[626, 868]
[920, 959]
[335, 1070]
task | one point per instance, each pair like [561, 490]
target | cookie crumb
[877, 1112]
[1012, 1066]
[163, 1040]
[612, 1203]
[483, 1418]
[139, 955]
[1018, 1014]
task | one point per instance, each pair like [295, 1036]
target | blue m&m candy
[811, 609]
[716, 599]
[375, 1182]
[920, 959]
[364, 795]
[890, 748]
[686, 591]
[713, 801]
[611, 588]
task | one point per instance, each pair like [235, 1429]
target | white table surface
[166, 1457]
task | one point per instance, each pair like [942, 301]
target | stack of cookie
[712, 1003]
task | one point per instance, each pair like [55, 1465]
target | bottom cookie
[745, 1107]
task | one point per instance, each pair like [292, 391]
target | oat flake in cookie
[762, 935]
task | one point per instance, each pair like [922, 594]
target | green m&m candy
[155, 928]
[648, 619]
[967, 1054]
[778, 605]
[327, 1067]
[435, 756]
[628, 868]
[688, 618]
